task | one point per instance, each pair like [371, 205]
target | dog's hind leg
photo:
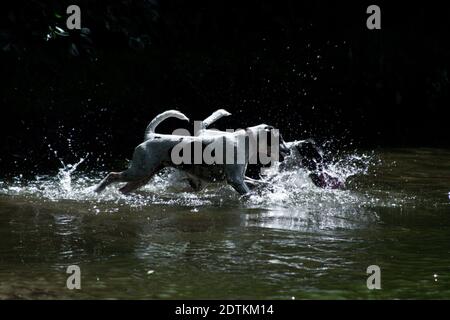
[110, 178]
[142, 167]
[133, 185]
[114, 177]
[136, 184]
[134, 180]
[139, 173]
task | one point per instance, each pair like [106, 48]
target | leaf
[74, 50]
[61, 32]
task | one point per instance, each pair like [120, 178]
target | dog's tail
[160, 118]
[214, 117]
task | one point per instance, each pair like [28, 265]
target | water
[294, 241]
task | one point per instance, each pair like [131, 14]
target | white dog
[156, 153]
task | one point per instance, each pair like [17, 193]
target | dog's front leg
[240, 186]
[134, 185]
[254, 184]
[235, 178]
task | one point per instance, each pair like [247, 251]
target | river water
[293, 241]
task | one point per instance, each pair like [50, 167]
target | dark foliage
[310, 68]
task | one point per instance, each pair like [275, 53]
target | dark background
[310, 68]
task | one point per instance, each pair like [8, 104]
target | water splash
[294, 184]
[64, 176]
[291, 201]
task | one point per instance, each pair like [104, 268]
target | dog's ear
[311, 156]
[284, 149]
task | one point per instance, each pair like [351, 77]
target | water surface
[293, 241]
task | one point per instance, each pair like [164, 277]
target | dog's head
[266, 142]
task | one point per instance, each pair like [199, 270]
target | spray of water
[290, 201]
[289, 188]
[65, 175]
